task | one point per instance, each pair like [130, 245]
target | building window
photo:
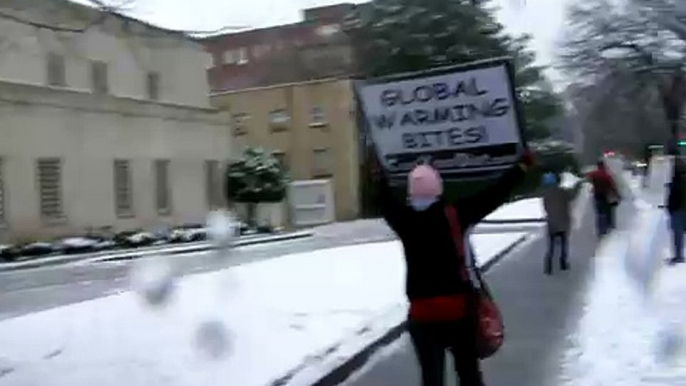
[228, 57]
[240, 125]
[281, 158]
[99, 77]
[242, 56]
[321, 163]
[212, 186]
[49, 171]
[3, 218]
[56, 71]
[236, 56]
[317, 116]
[162, 188]
[153, 85]
[278, 120]
[328, 30]
[123, 190]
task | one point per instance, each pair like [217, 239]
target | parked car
[75, 244]
[265, 229]
[188, 233]
[134, 239]
[9, 252]
[36, 249]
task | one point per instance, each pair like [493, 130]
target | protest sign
[464, 120]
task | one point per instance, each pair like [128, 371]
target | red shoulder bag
[490, 330]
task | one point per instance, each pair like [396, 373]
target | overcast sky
[541, 18]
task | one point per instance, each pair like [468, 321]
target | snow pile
[527, 209]
[249, 325]
[632, 326]
[569, 180]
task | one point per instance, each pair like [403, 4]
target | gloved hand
[375, 167]
[528, 160]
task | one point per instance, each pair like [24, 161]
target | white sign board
[465, 122]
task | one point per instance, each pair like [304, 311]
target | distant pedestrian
[676, 206]
[442, 294]
[557, 202]
[606, 197]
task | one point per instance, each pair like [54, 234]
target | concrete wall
[87, 133]
[300, 138]
[130, 50]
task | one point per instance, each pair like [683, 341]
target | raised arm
[473, 209]
[393, 211]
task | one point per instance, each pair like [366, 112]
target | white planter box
[311, 202]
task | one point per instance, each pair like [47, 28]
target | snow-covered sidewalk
[281, 315]
[633, 315]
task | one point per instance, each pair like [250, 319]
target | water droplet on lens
[213, 339]
[670, 342]
[153, 280]
[222, 228]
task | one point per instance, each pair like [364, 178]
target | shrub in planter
[257, 177]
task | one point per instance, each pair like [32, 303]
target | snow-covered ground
[632, 329]
[249, 325]
[527, 209]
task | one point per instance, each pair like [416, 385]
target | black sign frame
[461, 174]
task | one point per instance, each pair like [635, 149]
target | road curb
[342, 372]
[133, 254]
[518, 221]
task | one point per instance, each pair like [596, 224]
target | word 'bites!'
[455, 136]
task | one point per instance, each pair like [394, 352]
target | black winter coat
[433, 266]
[676, 200]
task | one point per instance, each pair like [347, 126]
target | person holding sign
[442, 283]
[557, 202]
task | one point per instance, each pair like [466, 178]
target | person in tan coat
[557, 202]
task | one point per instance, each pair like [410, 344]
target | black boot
[676, 260]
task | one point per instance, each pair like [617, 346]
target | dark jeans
[431, 340]
[678, 225]
[562, 238]
[605, 216]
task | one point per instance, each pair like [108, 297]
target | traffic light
[682, 142]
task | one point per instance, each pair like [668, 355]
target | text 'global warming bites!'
[430, 114]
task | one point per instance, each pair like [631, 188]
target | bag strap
[458, 240]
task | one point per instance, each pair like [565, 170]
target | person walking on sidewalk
[442, 313]
[676, 206]
[557, 202]
[606, 197]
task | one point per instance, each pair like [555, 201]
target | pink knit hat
[424, 182]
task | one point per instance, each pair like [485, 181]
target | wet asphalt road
[33, 290]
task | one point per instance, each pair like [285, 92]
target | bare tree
[631, 51]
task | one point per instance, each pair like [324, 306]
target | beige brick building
[108, 127]
[310, 126]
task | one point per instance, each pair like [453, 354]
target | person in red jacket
[606, 197]
[441, 315]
